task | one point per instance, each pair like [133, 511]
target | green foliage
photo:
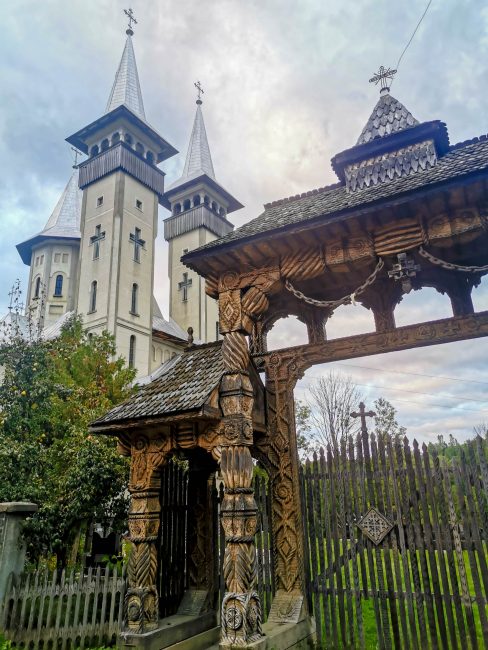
[385, 422]
[50, 392]
[303, 428]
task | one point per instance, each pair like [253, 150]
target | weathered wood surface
[425, 584]
[73, 610]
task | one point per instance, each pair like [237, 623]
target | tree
[302, 425]
[331, 400]
[385, 422]
[50, 392]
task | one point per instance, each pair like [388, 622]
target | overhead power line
[413, 35]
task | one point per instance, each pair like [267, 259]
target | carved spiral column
[141, 600]
[241, 607]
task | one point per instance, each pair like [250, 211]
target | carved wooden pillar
[200, 531]
[241, 607]
[315, 320]
[141, 600]
[382, 298]
[281, 454]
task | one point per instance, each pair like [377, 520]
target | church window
[115, 138]
[196, 199]
[42, 259]
[139, 204]
[95, 240]
[177, 208]
[150, 157]
[140, 149]
[105, 144]
[93, 296]
[37, 290]
[184, 285]
[154, 352]
[133, 300]
[206, 200]
[128, 139]
[65, 258]
[187, 204]
[135, 238]
[94, 150]
[57, 257]
[132, 351]
[99, 201]
[217, 331]
[37, 260]
[214, 206]
[58, 287]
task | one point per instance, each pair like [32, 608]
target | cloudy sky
[286, 87]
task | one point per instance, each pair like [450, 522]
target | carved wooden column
[280, 454]
[141, 600]
[241, 607]
[382, 298]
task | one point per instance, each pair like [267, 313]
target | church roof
[126, 89]
[198, 158]
[64, 221]
[183, 384]
[335, 202]
[388, 116]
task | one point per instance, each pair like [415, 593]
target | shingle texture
[65, 218]
[389, 116]
[184, 384]
[126, 89]
[461, 160]
[198, 159]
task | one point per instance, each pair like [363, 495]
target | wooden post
[241, 606]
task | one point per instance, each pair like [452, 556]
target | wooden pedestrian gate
[396, 545]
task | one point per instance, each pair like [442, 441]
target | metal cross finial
[130, 14]
[200, 90]
[382, 76]
[363, 414]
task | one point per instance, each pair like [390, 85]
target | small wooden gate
[174, 534]
[396, 545]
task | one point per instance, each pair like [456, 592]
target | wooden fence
[396, 545]
[75, 610]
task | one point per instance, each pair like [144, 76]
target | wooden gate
[396, 545]
[172, 577]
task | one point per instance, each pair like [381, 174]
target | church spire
[126, 89]
[198, 159]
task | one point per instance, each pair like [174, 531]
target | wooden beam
[447, 330]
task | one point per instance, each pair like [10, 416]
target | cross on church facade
[95, 240]
[184, 285]
[135, 238]
[382, 76]
[363, 414]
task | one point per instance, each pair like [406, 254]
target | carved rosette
[141, 600]
[241, 607]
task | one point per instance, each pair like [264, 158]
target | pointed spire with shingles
[65, 218]
[198, 159]
[126, 89]
[388, 116]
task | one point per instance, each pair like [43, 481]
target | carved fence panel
[74, 610]
[396, 545]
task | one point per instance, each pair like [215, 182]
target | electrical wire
[413, 35]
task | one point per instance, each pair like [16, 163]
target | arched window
[93, 296]
[115, 138]
[177, 208]
[132, 350]
[133, 300]
[94, 150]
[105, 144]
[37, 291]
[58, 287]
[214, 206]
[206, 200]
[187, 204]
[128, 139]
[150, 157]
[196, 199]
[222, 212]
[140, 149]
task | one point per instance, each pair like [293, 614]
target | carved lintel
[265, 278]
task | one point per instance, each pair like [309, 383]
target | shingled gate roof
[463, 159]
[184, 384]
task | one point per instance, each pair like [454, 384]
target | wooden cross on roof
[200, 90]
[382, 77]
[130, 14]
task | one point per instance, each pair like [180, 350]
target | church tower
[122, 188]
[199, 208]
[52, 256]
